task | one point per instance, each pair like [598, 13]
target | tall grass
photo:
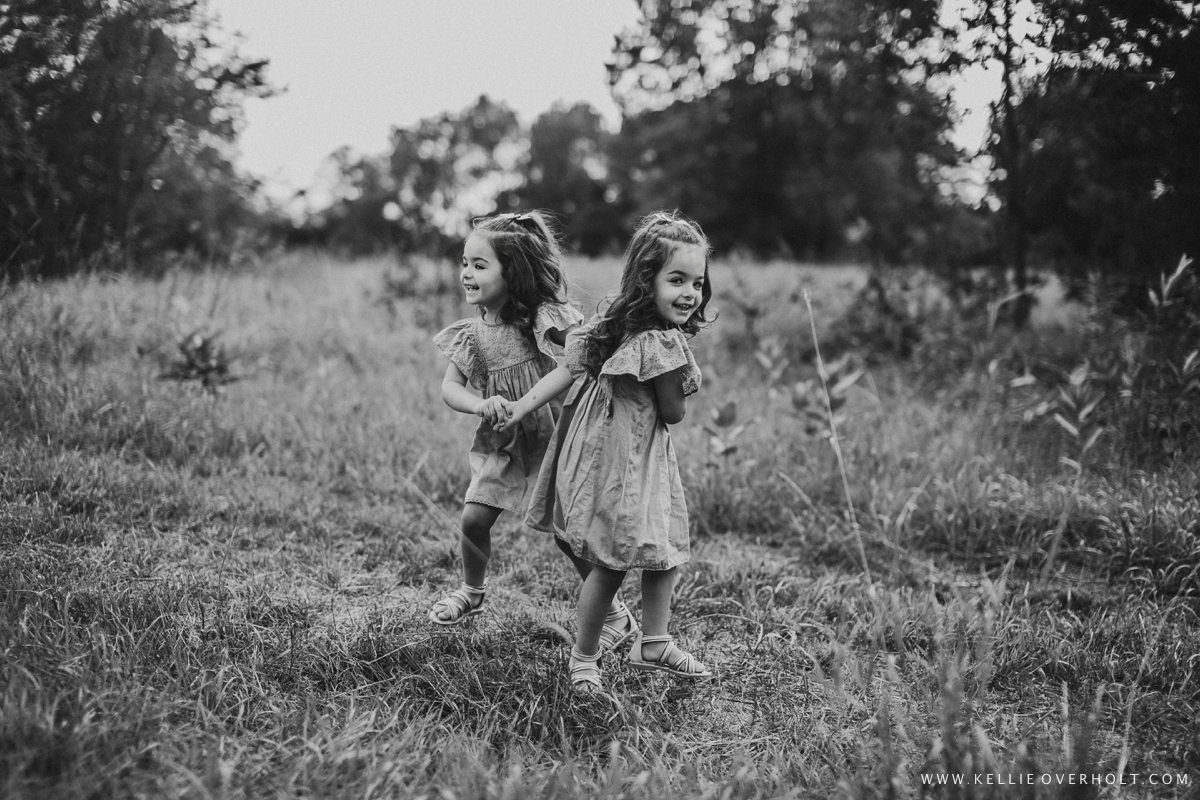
[222, 593]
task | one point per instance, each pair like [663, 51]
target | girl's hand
[493, 409]
[516, 413]
[549, 387]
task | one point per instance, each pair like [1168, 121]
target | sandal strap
[585, 668]
[460, 600]
[621, 612]
[612, 636]
[673, 656]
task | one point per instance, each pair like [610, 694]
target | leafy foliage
[1138, 382]
[568, 171]
[451, 167]
[1094, 136]
[94, 94]
[787, 126]
[421, 196]
[814, 129]
[202, 359]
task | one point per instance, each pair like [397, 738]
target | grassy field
[223, 595]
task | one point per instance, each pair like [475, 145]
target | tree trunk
[1014, 148]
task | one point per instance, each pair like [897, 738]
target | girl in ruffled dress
[512, 271]
[609, 488]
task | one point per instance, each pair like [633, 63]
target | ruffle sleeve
[651, 353]
[457, 343]
[573, 351]
[554, 317]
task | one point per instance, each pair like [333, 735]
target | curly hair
[632, 311]
[530, 257]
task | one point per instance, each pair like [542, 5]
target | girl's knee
[610, 577]
[477, 522]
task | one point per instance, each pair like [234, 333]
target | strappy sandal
[674, 659]
[611, 636]
[465, 601]
[585, 672]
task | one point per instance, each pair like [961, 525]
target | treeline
[811, 129]
[116, 126]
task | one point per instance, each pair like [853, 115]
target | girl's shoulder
[581, 331]
[455, 330]
[669, 344]
[647, 354]
[563, 316]
[575, 347]
[550, 317]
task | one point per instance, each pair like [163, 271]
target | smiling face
[679, 285]
[481, 276]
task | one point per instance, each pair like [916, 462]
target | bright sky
[353, 70]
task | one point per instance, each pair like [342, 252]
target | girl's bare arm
[668, 390]
[456, 394]
[549, 387]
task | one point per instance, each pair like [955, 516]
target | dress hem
[658, 567]
[490, 504]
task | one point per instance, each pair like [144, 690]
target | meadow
[215, 563]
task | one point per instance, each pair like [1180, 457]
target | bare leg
[657, 586]
[583, 568]
[476, 541]
[476, 544]
[599, 588]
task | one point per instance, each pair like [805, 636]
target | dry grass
[222, 594]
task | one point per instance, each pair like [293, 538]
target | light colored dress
[499, 359]
[609, 486]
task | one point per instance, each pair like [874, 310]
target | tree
[354, 222]
[1007, 37]
[1095, 140]
[198, 203]
[1136, 69]
[568, 171]
[94, 94]
[422, 195]
[451, 168]
[781, 125]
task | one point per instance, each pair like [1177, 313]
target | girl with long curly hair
[609, 487]
[511, 271]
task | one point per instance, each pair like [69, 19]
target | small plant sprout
[1024, 379]
[770, 356]
[1078, 399]
[722, 432]
[811, 404]
[751, 311]
[203, 359]
[1167, 294]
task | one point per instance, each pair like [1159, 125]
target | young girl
[511, 270]
[609, 487]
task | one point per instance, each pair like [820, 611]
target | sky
[350, 71]
[353, 70]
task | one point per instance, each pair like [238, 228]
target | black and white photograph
[629, 399]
